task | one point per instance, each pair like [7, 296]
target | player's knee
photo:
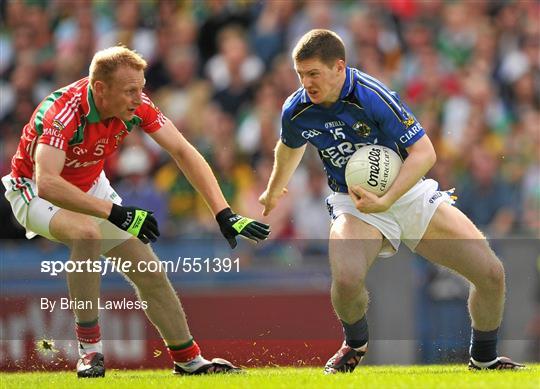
[348, 282]
[87, 232]
[496, 275]
[84, 235]
[81, 230]
[494, 278]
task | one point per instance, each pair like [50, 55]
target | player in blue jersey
[339, 109]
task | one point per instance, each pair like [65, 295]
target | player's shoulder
[72, 93]
[377, 97]
[369, 88]
[294, 104]
[148, 115]
[146, 104]
[146, 100]
[62, 105]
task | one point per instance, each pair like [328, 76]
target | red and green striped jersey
[68, 120]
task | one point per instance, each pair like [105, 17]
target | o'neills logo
[374, 158]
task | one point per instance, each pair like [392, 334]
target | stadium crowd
[221, 69]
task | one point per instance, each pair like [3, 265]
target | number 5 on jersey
[100, 149]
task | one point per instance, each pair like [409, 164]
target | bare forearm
[415, 166]
[200, 175]
[286, 161]
[67, 196]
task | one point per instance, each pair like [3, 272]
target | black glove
[138, 222]
[232, 225]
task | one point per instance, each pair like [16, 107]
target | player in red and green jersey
[57, 189]
[68, 120]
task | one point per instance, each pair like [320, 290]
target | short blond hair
[106, 61]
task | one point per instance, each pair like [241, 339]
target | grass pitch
[435, 376]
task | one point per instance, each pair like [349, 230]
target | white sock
[87, 348]
[484, 365]
[194, 364]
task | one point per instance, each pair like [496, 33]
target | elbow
[178, 156]
[44, 185]
[185, 155]
[429, 154]
[432, 158]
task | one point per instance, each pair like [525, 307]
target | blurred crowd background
[221, 69]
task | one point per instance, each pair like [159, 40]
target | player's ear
[98, 88]
[340, 65]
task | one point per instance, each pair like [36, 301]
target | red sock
[88, 334]
[185, 352]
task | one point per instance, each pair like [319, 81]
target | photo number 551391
[210, 265]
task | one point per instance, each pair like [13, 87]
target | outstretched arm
[200, 175]
[286, 160]
[192, 164]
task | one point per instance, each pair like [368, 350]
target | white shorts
[406, 220]
[35, 213]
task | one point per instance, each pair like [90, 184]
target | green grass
[436, 376]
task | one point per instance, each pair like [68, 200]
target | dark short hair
[321, 44]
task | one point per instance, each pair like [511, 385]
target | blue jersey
[367, 112]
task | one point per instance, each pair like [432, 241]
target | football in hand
[374, 168]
